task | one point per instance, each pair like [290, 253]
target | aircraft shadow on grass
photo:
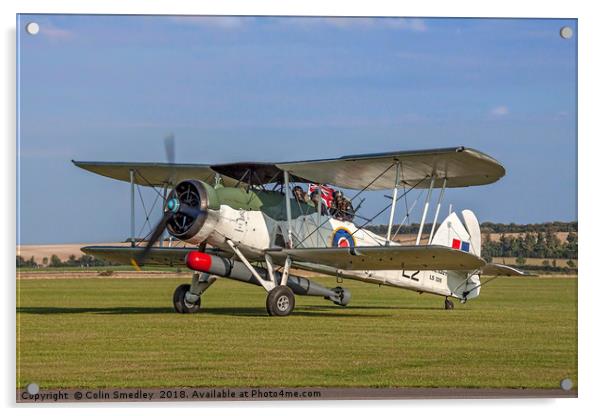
[316, 311]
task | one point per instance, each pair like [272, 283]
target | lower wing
[169, 256]
[430, 257]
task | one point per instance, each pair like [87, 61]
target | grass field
[521, 332]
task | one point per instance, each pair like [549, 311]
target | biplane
[241, 222]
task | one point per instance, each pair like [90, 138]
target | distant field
[561, 235]
[90, 332]
[63, 251]
[511, 261]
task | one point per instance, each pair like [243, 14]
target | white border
[589, 30]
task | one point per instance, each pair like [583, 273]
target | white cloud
[51, 31]
[221, 22]
[499, 111]
[414, 25]
[400, 23]
[235, 22]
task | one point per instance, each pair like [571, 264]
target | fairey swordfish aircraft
[242, 222]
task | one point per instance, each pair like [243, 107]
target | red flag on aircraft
[327, 193]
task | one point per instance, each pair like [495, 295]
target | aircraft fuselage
[256, 221]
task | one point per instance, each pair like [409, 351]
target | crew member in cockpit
[315, 199]
[300, 195]
[342, 209]
[347, 210]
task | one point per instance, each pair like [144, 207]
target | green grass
[521, 332]
[123, 268]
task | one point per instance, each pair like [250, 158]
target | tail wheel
[449, 304]
[180, 304]
[280, 301]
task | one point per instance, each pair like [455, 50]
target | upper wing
[460, 166]
[169, 256]
[153, 174]
[430, 257]
[493, 269]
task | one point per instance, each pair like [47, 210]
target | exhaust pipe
[234, 269]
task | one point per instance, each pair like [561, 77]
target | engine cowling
[195, 207]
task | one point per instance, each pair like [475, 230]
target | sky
[269, 89]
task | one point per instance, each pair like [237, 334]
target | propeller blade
[170, 148]
[157, 233]
[170, 154]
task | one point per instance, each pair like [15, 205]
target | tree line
[489, 227]
[553, 227]
[54, 261]
[534, 240]
[534, 245]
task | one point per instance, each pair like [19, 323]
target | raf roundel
[342, 238]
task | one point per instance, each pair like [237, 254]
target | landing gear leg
[187, 298]
[281, 299]
[448, 304]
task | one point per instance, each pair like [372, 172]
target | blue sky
[111, 88]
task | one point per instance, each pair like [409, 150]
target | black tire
[179, 301]
[280, 301]
[449, 304]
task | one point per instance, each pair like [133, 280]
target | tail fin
[462, 236]
[474, 230]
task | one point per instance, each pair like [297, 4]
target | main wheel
[180, 304]
[280, 301]
[449, 304]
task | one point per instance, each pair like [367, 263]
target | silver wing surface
[153, 174]
[460, 166]
[168, 256]
[431, 257]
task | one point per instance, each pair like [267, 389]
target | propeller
[172, 205]
[170, 147]
[170, 153]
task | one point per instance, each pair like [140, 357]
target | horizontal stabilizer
[493, 269]
[167, 256]
[429, 257]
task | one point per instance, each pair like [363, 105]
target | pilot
[342, 209]
[315, 199]
[347, 210]
[299, 194]
[334, 205]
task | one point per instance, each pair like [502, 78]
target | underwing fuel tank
[234, 269]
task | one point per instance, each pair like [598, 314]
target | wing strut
[288, 210]
[426, 210]
[267, 284]
[441, 192]
[162, 238]
[132, 210]
[392, 215]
